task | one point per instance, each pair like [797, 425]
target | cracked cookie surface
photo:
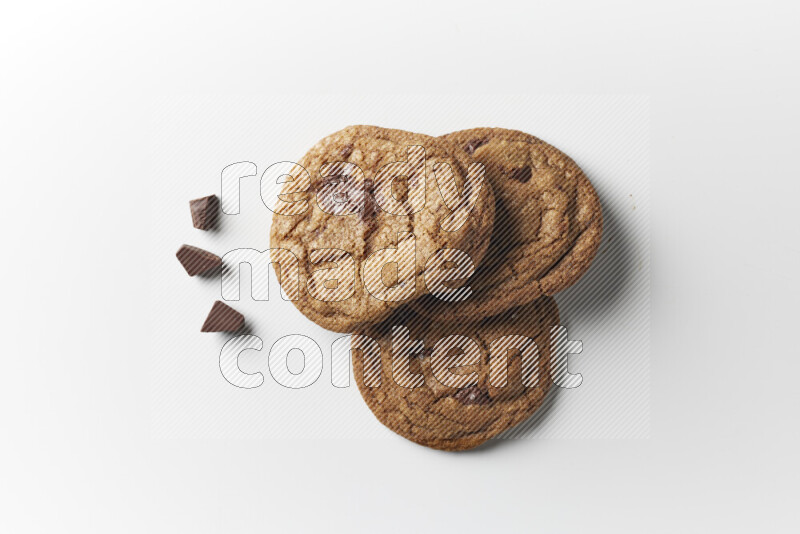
[464, 414]
[547, 229]
[343, 195]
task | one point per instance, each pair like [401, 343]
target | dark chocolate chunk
[473, 145]
[205, 212]
[341, 194]
[346, 151]
[472, 395]
[522, 174]
[222, 318]
[196, 260]
[424, 353]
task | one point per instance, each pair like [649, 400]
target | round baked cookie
[344, 216]
[449, 415]
[547, 229]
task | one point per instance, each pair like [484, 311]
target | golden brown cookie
[547, 229]
[364, 197]
[464, 407]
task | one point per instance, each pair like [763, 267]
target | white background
[609, 310]
[78, 89]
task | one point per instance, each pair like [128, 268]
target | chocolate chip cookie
[548, 224]
[362, 213]
[435, 384]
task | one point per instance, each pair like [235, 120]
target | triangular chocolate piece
[196, 260]
[205, 212]
[222, 318]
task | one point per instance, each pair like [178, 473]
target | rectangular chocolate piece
[205, 212]
[196, 260]
[223, 318]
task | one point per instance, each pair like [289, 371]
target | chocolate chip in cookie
[521, 174]
[473, 145]
[472, 395]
